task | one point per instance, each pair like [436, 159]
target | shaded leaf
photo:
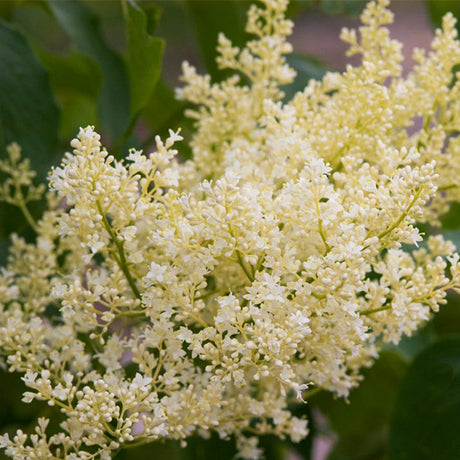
[307, 68]
[274, 448]
[409, 347]
[426, 421]
[72, 73]
[362, 424]
[82, 26]
[28, 116]
[144, 54]
[303, 449]
[451, 220]
[162, 108]
[28, 110]
[212, 18]
[438, 8]
[15, 414]
[447, 321]
[209, 449]
[76, 81]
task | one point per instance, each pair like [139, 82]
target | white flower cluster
[203, 296]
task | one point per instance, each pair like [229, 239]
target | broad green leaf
[28, 116]
[144, 54]
[6, 10]
[409, 347]
[212, 448]
[362, 424]
[72, 73]
[307, 68]
[14, 414]
[163, 111]
[426, 421]
[304, 448]
[296, 7]
[451, 220]
[438, 8]
[82, 26]
[213, 17]
[28, 110]
[274, 448]
[446, 322]
[76, 81]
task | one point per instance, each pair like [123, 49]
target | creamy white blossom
[203, 296]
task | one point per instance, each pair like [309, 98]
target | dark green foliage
[438, 8]
[212, 18]
[82, 26]
[28, 111]
[426, 421]
[361, 423]
[408, 406]
[144, 54]
[28, 115]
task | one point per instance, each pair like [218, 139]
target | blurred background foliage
[114, 64]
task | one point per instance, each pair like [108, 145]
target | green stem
[243, 266]
[121, 259]
[403, 215]
[305, 396]
[312, 392]
[375, 310]
[141, 442]
[31, 221]
[320, 225]
[206, 295]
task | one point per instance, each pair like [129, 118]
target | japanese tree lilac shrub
[203, 296]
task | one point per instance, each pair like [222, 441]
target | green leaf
[213, 17]
[409, 347]
[274, 448]
[426, 421]
[72, 74]
[144, 54]
[28, 116]
[163, 111]
[438, 8]
[14, 414]
[307, 68]
[76, 80]
[82, 26]
[362, 424]
[451, 220]
[210, 449]
[446, 323]
[28, 110]
[304, 448]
